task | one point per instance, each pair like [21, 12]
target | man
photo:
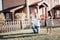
[35, 24]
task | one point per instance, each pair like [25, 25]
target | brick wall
[33, 1]
[11, 3]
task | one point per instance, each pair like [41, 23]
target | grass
[52, 27]
[30, 36]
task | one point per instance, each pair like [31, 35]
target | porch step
[18, 31]
[24, 31]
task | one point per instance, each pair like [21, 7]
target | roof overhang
[12, 10]
[57, 7]
[43, 3]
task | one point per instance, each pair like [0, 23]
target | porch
[23, 22]
[56, 14]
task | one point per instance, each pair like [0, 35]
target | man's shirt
[35, 21]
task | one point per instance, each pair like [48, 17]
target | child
[49, 22]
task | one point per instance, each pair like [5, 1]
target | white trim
[16, 8]
[27, 5]
[42, 3]
[0, 5]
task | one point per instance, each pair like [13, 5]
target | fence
[56, 22]
[21, 24]
[14, 25]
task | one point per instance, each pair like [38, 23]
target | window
[7, 16]
[58, 14]
[35, 10]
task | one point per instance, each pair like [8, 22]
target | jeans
[36, 29]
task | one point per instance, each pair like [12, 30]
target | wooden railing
[8, 26]
[56, 22]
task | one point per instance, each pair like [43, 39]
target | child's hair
[49, 13]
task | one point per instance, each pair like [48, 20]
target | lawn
[28, 35]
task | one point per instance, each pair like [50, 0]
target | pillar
[27, 6]
[46, 14]
[38, 11]
[12, 15]
[51, 4]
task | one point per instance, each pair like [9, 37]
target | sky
[0, 5]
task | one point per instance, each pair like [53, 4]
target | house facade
[28, 7]
[54, 6]
[10, 8]
[39, 7]
[8, 5]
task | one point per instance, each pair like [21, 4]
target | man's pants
[36, 29]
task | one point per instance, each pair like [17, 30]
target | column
[46, 11]
[13, 15]
[38, 11]
[51, 4]
[46, 14]
[27, 5]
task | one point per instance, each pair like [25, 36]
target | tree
[2, 17]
